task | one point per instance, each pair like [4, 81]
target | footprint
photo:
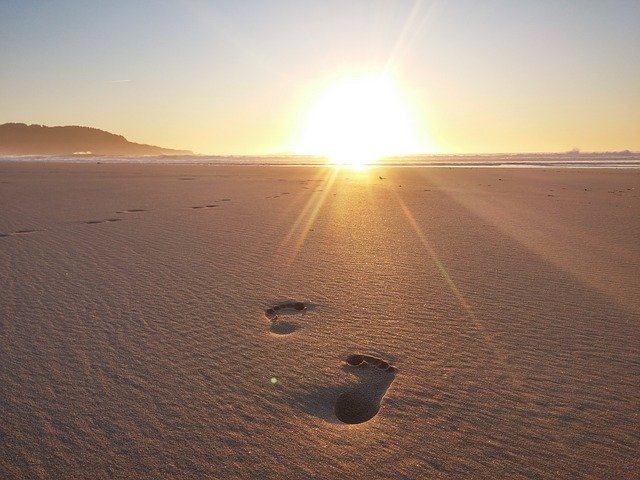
[132, 210]
[361, 403]
[278, 325]
[18, 232]
[108, 220]
[205, 206]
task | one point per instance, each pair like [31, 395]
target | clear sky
[243, 77]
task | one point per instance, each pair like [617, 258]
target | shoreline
[618, 160]
[633, 166]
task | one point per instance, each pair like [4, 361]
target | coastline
[538, 160]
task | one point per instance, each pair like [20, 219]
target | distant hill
[21, 139]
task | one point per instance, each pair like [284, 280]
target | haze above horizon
[346, 79]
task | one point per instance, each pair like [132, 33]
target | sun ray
[470, 314]
[413, 26]
[299, 230]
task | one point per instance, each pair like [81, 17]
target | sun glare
[358, 121]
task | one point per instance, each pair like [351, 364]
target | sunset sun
[358, 121]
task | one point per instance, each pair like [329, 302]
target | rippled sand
[479, 323]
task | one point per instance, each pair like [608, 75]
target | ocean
[538, 160]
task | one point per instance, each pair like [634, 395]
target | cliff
[21, 139]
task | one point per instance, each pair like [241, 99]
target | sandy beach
[194, 321]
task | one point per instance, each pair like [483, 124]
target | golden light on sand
[357, 121]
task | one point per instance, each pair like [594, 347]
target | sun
[357, 121]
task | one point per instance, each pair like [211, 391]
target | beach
[197, 321]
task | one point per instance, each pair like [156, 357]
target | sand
[465, 322]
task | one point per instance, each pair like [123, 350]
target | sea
[626, 159]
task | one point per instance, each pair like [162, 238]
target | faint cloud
[120, 81]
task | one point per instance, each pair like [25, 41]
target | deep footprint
[279, 326]
[361, 403]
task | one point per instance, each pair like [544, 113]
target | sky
[244, 77]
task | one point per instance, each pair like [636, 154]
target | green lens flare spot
[274, 380]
